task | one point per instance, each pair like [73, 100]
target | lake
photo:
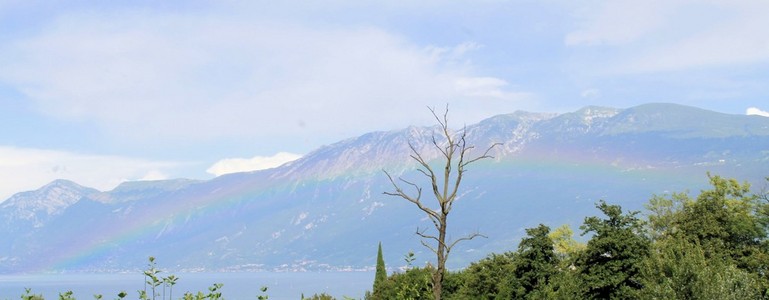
[281, 285]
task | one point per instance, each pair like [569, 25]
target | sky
[103, 92]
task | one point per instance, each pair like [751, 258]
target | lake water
[286, 285]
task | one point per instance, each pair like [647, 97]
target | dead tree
[454, 159]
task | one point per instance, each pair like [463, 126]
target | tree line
[712, 246]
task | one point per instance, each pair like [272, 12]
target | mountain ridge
[39, 205]
[326, 209]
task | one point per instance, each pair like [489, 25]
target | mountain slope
[327, 211]
[37, 207]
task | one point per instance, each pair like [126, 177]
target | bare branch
[485, 154]
[428, 247]
[764, 193]
[456, 153]
[425, 166]
[434, 217]
[426, 236]
[426, 173]
[467, 238]
[426, 169]
[416, 155]
[445, 116]
[443, 150]
[399, 192]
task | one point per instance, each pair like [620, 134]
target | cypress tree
[381, 272]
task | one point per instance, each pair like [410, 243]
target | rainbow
[218, 204]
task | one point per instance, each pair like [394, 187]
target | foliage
[678, 269]
[409, 259]
[565, 246]
[713, 246]
[723, 222]
[414, 284]
[169, 282]
[66, 296]
[664, 214]
[381, 272]
[322, 296]
[264, 291]
[29, 296]
[566, 284]
[152, 279]
[610, 265]
[535, 263]
[487, 278]
[524, 274]
[214, 293]
[452, 283]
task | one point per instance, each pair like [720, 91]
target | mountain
[36, 208]
[327, 211]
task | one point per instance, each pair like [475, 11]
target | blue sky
[103, 92]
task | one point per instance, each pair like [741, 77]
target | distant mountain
[36, 208]
[138, 190]
[327, 211]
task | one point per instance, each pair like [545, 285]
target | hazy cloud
[653, 36]
[235, 165]
[617, 22]
[591, 93]
[487, 87]
[29, 169]
[209, 76]
[757, 112]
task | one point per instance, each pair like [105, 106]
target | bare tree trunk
[444, 190]
[442, 255]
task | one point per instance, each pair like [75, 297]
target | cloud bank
[210, 76]
[29, 169]
[664, 36]
[235, 165]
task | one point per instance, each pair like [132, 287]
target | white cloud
[486, 87]
[209, 76]
[235, 165]
[753, 111]
[455, 53]
[28, 169]
[617, 22]
[644, 36]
